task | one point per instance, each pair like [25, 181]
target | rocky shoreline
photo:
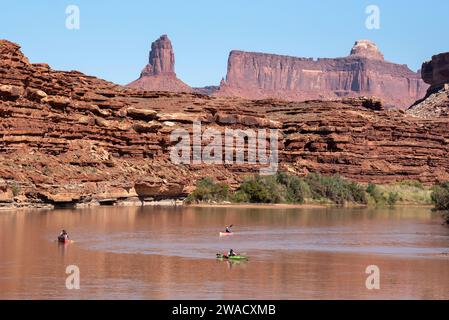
[130, 202]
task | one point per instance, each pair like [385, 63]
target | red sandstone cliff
[159, 74]
[436, 102]
[436, 71]
[363, 73]
[71, 139]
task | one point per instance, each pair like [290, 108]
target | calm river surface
[169, 253]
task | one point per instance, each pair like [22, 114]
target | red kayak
[65, 241]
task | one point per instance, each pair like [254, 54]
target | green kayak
[225, 257]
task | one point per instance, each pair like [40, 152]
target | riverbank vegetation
[440, 199]
[283, 188]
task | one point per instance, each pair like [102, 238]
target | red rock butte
[363, 73]
[159, 74]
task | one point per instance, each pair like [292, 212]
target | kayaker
[232, 253]
[63, 236]
[228, 229]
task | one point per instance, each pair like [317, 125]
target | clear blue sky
[115, 36]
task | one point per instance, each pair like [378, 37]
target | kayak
[65, 241]
[226, 234]
[225, 257]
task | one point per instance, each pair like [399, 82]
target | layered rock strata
[71, 139]
[363, 73]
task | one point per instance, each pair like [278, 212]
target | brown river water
[169, 253]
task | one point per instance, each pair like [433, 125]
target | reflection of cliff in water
[151, 253]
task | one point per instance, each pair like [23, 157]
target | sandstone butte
[363, 73]
[159, 74]
[71, 139]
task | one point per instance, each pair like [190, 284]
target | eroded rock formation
[366, 49]
[436, 71]
[159, 74]
[436, 101]
[67, 138]
[363, 73]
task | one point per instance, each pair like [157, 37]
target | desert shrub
[296, 188]
[209, 191]
[15, 188]
[357, 192]
[440, 196]
[392, 198]
[408, 192]
[285, 188]
[240, 197]
[412, 183]
[373, 191]
[262, 189]
[335, 188]
[381, 198]
[279, 188]
[376, 195]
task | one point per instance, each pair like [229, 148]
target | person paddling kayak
[63, 236]
[231, 255]
[228, 229]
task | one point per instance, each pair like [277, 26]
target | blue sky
[115, 36]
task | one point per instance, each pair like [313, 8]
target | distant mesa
[207, 91]
[363, 73]
[159, 74]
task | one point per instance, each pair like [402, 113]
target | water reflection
[169, 253]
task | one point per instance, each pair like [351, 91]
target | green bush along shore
[318, 189]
